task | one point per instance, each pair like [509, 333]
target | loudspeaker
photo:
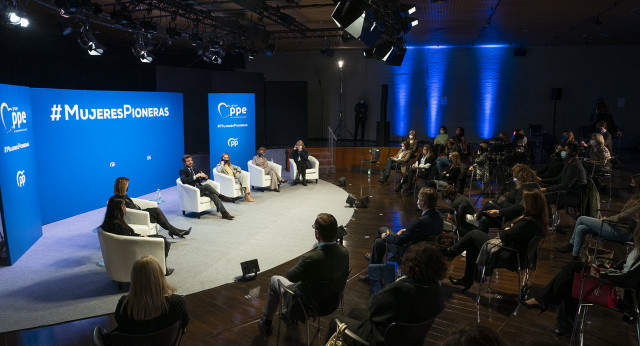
[342, 181]
[249, 267]
[383, 133]
[556, 94]
[363, 202]
[351, 200]
[341, 233]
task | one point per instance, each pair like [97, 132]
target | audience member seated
[567, 136]
[599, 157]
[326, 262]
[601, 127]
[462, 141]
[300, 157]
[450, 174]
[474, 335]
[398, 161]
[558, 291]
[555, 165]
[519, 140]
[156, 215]
[226, 167]
[510, 207]
[427, 225]
[443, 161]
[413, 145]
[441, 140]
[114, 223]
[151, 303]
[414, 298]
[618, 228]
[199, 180]
[481, 164]
[518, 235]
[465, 213]
[424, 165]
[566, 189]
[260, 161]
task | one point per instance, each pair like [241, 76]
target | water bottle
[158, 198]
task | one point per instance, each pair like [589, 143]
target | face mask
[448, 201]
[592, 142]
[260, 154]
[603, 130]
[442, 132]
[402, 148]
[564, 138]
[563, 155]
[515, 180]
[410, 137]
[418, 205]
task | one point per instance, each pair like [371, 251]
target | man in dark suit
[328, 261]
[427, 225]
[189, 177]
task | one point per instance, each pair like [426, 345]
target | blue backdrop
[20, 206]
[86, 139]
[232, 128]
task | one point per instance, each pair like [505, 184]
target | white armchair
[313, 172]
[120, 252]
[258, 178]
[134, 217]
[228, 186]
[190, 199]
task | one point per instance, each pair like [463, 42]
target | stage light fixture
[87, 41]
[383, 50]
[368, 53]
[363, 202]
[340, 63]
[350, 15]
[250, 267]
[351, 200]
[408, 23]
[397, 55]
[341, 233]
[342, 181]
[270, 50]
[17, 17]
[141, 50]
[407, 9]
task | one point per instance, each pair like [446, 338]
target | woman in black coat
[300, 157]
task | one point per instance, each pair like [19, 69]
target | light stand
[341, 130]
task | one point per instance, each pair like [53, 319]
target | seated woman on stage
[425, 164]
[151, 303]
[509, 207]
[156, 215]
[398, 161]
[450, 175]
[619, 228]
[599, 156]
[413, 145]
[300, 157]
[114, 223]
[260, 161]
[558, 291]
[532, 223]
[225, 167]
[442, 162]
[414, 298]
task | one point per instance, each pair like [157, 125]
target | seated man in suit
[199, 180]
[427, 225]
[414, 298]
[326, 262]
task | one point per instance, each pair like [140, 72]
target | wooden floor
[228, 315]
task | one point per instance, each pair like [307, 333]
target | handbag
[337, 339]
[595, 291]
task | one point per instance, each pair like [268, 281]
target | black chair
[322, 298]
[407, 334]
[527, 264]
[168, 336]
[374, 158]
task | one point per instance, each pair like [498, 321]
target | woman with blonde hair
[450, 175]
[226, 167]
[120, 188]
[599, 155]
[151, 303]
[300, 157]
[260, 161]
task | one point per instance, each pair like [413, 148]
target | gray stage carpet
[59, 280]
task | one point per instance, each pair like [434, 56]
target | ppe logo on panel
[11, 115]
[231, 111]
[20, 178]
[232, 142]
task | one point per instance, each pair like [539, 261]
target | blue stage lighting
[491, 60]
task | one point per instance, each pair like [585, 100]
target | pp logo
[232, 142]
[112, 164]
[148, 157]
[20, 178]
[17, 118]
[231, 111]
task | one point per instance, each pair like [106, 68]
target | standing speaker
[556, 94]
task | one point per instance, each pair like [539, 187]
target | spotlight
[406, 9]
[87, 41]
[17, 17]
[342, 181]
[340, 63]
[350, 15]
[408, 23]
[249, 267]
[141, 50]
[397, 55]
[383, 50]
[270, 50]
[363, 202]
[351, 200]
[341, 233]
[368, 53]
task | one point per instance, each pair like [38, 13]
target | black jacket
[572, 179]
[427, 225]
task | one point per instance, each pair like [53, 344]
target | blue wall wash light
[491, 62]
[437, 72]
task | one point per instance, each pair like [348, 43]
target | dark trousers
[360, 122]
[391, 164]
[379, 248]
[558, 292]
[485, 222]
[471, 243]
[208, 191]
[301, 166]
[157, 216]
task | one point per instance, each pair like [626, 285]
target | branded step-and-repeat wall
[232, 128]
[63, 149]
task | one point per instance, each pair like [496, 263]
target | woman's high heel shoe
[176, 233]
[460, 282]
[531, 306]
[187, 231]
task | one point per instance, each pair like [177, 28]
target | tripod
[341, 130]
[498, 171]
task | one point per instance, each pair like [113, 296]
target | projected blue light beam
[437, 67]
[491, 61]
